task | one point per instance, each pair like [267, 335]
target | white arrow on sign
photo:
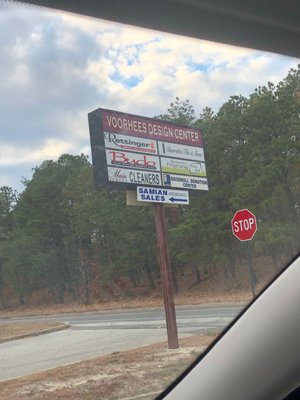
[162, 195]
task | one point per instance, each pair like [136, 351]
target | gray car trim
[258, 358]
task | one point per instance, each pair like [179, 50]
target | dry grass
[118, 376]
[147, 302]
[11, 330]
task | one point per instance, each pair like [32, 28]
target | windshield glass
[83, 288]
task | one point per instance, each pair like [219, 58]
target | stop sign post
[244, 226]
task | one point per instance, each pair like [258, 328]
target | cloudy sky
[56, 67]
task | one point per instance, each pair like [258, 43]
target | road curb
[36, 333]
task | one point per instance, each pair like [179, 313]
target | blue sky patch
[130, 82]
[204, 67]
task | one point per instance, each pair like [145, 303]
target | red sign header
[150, 128]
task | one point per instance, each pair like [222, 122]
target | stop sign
[243, 225]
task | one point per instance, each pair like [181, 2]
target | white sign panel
[183, 167]
[185, 182]
[124, 175]
[124, 142]
[181, 151]
[162, 195]
[125, 159]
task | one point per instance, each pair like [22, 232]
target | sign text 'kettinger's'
[133, 150]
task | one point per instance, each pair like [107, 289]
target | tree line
[64, 237]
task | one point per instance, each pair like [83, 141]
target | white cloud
[168, 66]
[16, 155]
[57, 67]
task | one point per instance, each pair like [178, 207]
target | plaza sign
[133, 150]
[155, 158]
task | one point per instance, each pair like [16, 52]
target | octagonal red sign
[244, 225]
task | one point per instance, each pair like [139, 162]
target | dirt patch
[144, 371]
[11, 331]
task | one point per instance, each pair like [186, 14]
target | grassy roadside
[120, 375]
[10, 331]
[148, 302]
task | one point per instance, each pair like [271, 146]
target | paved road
[94, 334]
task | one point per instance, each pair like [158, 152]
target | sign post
[244, 226]
[250, 269]
[157, 159]
[166, 278]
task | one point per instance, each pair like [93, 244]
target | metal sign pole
[250, 269]
[161, 236]
[244, 227]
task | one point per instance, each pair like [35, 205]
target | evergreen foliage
[63, 236]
